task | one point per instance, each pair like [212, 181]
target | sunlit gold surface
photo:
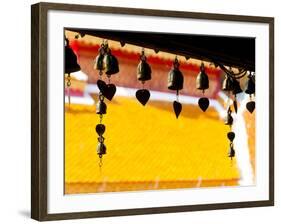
[147, 148]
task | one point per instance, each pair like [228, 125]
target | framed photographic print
[138, 111]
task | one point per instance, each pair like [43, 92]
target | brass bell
[101, 107]
[99, 65]
[229, 118]
[143, 71]
[202, 80]
[236, 87]
[175, 77]
[227, 84]
[101, 149]
[250, 85]
[231, 152]
[111, 63]
[70, 60]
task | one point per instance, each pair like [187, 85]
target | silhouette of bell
[101, 149]
[143, 71]
[251, 87]
[229, 118]
[175, 77]
[227, 84]
[111, 63]
[202, 80]
[236, 87]
[231, 152]
[99, 65]
[70, 61]
[101, 107]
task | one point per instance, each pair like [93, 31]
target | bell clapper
[108, 79]
[100, 74]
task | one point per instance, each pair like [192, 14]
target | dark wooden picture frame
[39, 107]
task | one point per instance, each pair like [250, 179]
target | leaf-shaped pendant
[177, 108]
[251, 106]
[203, 103]
[143, 96]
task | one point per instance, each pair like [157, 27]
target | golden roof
[146, 145]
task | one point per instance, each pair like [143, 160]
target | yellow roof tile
[146, 144]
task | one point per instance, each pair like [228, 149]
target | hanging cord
[100, 74]
[176, 66]
[176, 62]
[143, 58]
[202, 69]
[68, 84]
[100, 163]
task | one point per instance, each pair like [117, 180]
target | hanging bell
[101, 149]
[99, 65]
[236, 87]
[229, 118]
[202, 80]
[231, 152]
[175, 77]
[143, 71]
[111, 63]
[70, 60]
[101, 107]
[227, 84]
[250, 85]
